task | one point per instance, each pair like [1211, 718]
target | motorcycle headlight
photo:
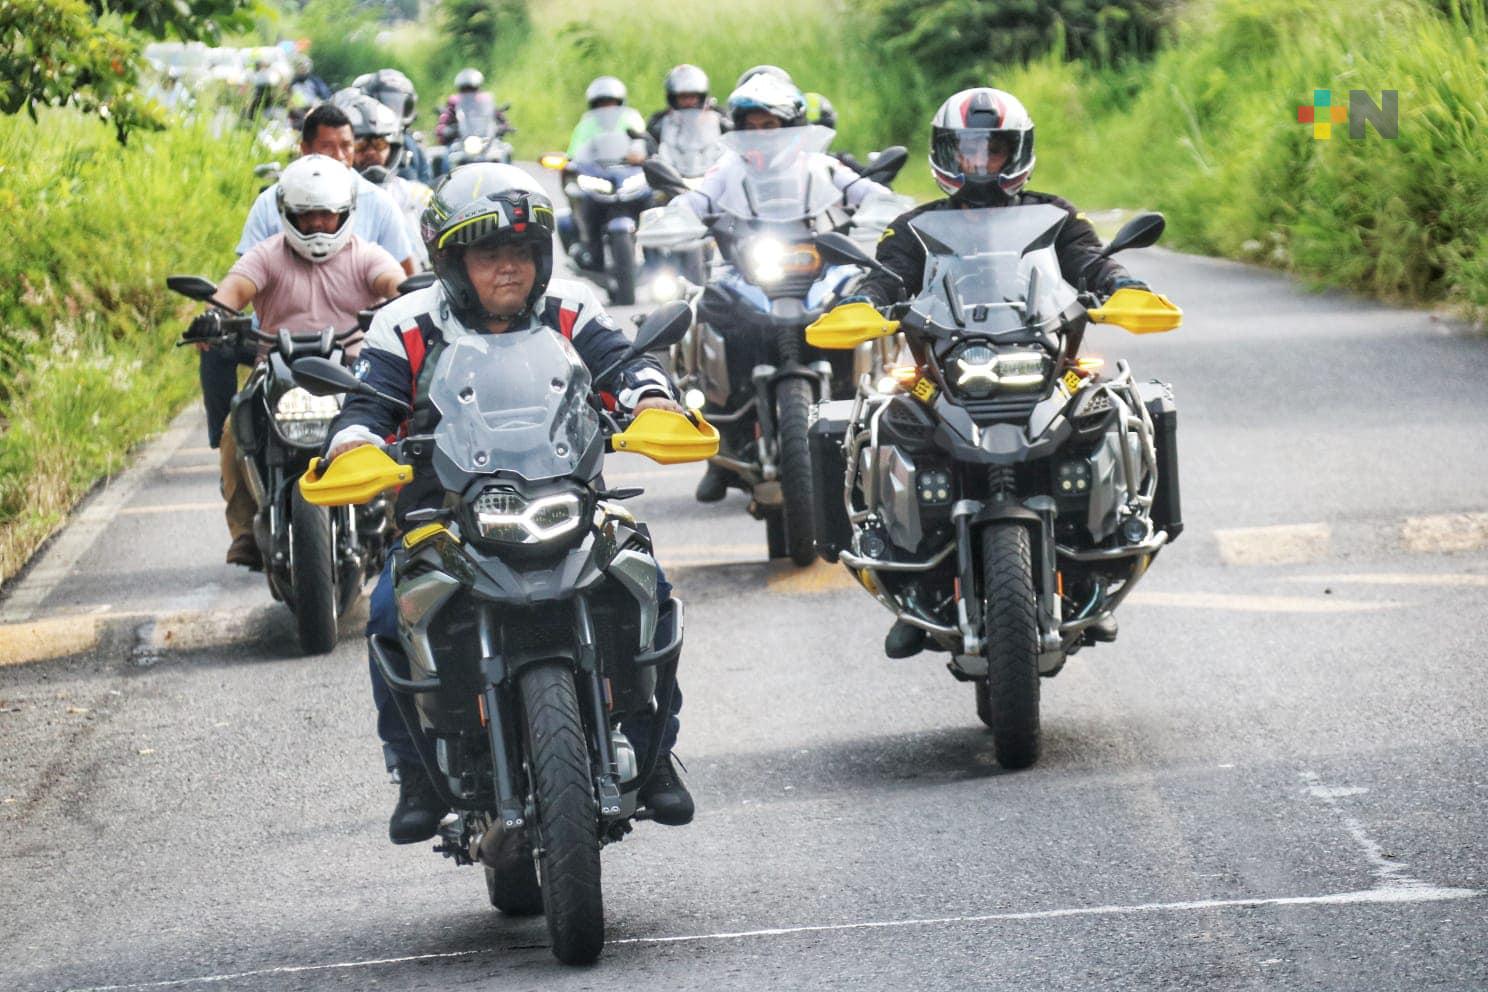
[506, 516]
[766, 258]
[665, 287]
[594, 184]
[978, 370]
[473, 145]
[305, 419]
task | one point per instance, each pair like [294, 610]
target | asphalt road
[1274, 779]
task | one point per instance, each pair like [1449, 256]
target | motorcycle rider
[686, 89]
[395, 91]
[306, 89]
[315, 274]
[471, 104]
[602, 93]
[489, 230]
[379, 149]
[376, 219]
[981, 154]
[763, 102]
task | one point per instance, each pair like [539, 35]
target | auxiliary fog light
[1073, 478]
[1135, 530]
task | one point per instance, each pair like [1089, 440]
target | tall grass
[87, 367]
[1208, 133]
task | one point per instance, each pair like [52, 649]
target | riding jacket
[402, 349]
[1077, 246]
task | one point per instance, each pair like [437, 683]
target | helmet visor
[980, 153]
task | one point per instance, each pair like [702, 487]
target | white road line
[1389, 871]
[1394, 894]
[80, 532]
[1242, 603]
[1463, 580]
[139, 511]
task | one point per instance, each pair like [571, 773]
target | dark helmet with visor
[486, 204]
[971, 134]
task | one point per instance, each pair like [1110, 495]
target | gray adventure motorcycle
[529, 615]
[1001, 495]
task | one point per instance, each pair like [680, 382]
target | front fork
[1037, 514]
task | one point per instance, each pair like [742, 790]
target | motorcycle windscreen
[690, 141]
[475, 116]
[773, 176]
[514, 402]
[995, 267]
[611, 141]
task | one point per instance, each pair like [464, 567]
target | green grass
[87, 368]
[1208, 134]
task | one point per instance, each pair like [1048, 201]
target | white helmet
[316, 182]
[605, 88]
[469, 79]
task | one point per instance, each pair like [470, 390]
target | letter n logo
[1385, 116]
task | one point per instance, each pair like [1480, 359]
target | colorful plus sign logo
[1322, 114]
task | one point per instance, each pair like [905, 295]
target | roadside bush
[87, 367]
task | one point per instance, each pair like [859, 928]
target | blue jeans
[397, 741]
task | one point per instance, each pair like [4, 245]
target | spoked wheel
[312, 570]
[567, 816]
[793, 400]
[1008, 699]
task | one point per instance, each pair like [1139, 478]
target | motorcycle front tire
[566, 819]
[793, 401]
[1008, 699]
[312, 574]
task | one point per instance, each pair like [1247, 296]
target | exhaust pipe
[498, 845]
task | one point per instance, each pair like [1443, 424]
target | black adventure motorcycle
[528, 612]
[1001, 495]
[316, 561]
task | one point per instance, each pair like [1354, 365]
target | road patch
[1283, 544]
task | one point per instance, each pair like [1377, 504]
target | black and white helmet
[970, 130]
[686, 79]
[605, 88]
[488, 204]
[316, 182]
[469, 80]
[393, 90]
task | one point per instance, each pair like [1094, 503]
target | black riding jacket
[901, 252]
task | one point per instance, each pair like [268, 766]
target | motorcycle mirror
[887, 163]
[1139, 232]
[503, 108]
[422, 280]
[192, 287]
[839, 249]
[664, 327]
[323, 377]
[265, 169]
[661, 176]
